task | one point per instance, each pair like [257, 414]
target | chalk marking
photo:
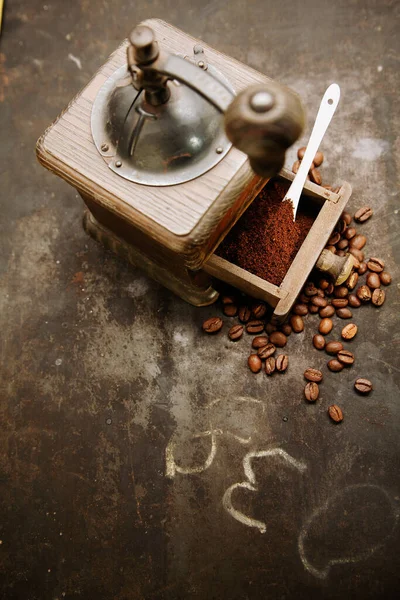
[251, 484]
[172, 467]
[323, 573]
[75, 60]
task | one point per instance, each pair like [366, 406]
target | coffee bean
[310, 290]
[313, 375]
[259, 310]
[362, 268]
[296, 166]
[329, 289]
[335, 413]
[270, 365]
[313, 309]
[364, 386]
[340, 291]
[349, 331]
[300, 309]
[376, 265]
[340, 226]
[297, 323]
[346, 217]
[344, 313]
[331, 249]
[359, 254]
[319, 341]
[373, 281]
[259, 341]
[340, 253]
[327, 311]
[350, 233]
[235, 332]
[364, 293]
[363, 214]
[358, 241]
[352, 280]
[254, 327]
[315, 176]
[244, 314]
[345, 356]
[230, 310]
[228, 300]
[286, 329]
[282, 362]
[311, 391]
[378, 297]
[254, 363]
[323, 284]
[356, 263]
[270, 328]
[354, 302]
[333, 347]
[340, 302]
[319, 301]
[301, 152]
[335, 365]
[318, 159]
[333, 240]
[385, 278]
[320, 293]
[266, 351]
[325, 326]
[343, 244]
[278, 338]
[303, 299]
[212, 325]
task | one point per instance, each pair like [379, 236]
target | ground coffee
[265, 240]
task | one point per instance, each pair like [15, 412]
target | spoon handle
[325, 113]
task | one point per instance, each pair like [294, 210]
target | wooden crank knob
[263, 121]
[339, 267]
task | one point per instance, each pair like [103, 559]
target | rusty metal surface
[104, 374]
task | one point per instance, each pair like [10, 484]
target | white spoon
[325, 113]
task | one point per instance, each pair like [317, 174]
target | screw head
[262, 102]
[285, 419]
[104, 147]
[118, 164]
[219, 150]
[201, 64]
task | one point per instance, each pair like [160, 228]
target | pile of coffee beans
[314, 174]
[319, 296]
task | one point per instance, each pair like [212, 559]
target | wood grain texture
[181, 217]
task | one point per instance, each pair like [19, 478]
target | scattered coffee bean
[341, 253]
[385, 278]
[313, 375]
[266, 351]
[300, 309]
[270, 365]
[376, 265]
[350, 233]
[363, 214]
[310, 290]
[340, 291]
[323, 284]
[345, 356]
[349, 331]
[340, 302]
[235, 332]
[297, 323]
[329, 289]
[318, 159]
[358, 241]
[335, 365]
[356, 263]
[331, 249]
[346, 217]
[270, 328]
[320, 293]
[259, 310]
[354, 302]
[254, 363]
[286, 329]
[230, 310]
[311, 391]
[344, 313]
[327, 311]
[319, 341]
[343, 244]
[278, 338]
[333, 347]
[244, 314]
[313, 309]
[335, 237]
[364, 293]
[212, 325]
[373, 281]
[303, 299]
[335, 413]
[378, 297]
[362, 268]
[315, 176]
[259, 341]
[296, 166]
[228, 300]
[319, 301]
[325, 326]
[254, 327]
[364, 386]
[359, 254]
[352, 280]
[301, 152]
[282, 362]
[341, 226]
